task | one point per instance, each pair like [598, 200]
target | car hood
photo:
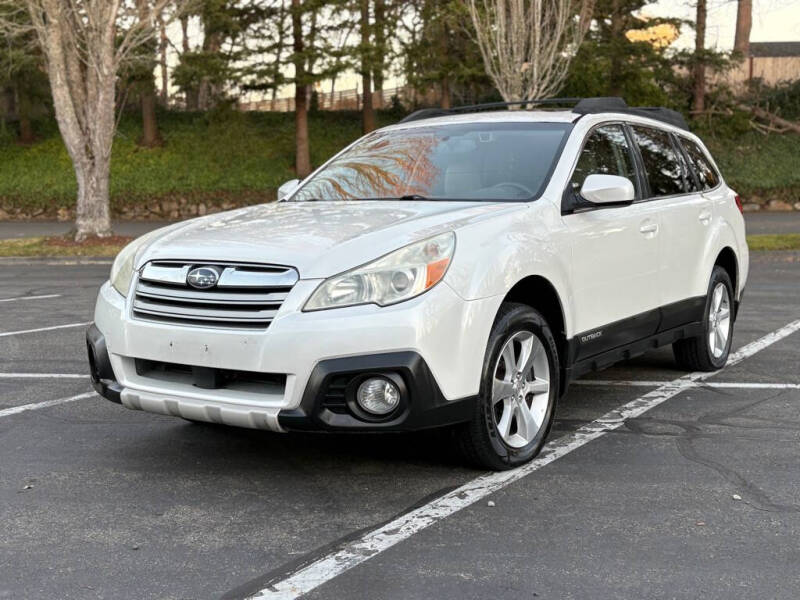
[320, 239]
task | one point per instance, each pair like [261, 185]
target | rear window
[470, 161]
[661, 163]
[706, 174]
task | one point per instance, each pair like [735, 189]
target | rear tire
[519, 387]
[709, 350]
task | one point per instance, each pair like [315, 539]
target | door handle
[648, 228]
[705, 217]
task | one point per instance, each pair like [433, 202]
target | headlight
[122, 269]
[399, 276]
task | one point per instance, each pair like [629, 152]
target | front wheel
[519, 386]
[709, 350]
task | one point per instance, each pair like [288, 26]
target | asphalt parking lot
[692, 490]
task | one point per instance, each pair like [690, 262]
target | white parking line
[15, 410]
[44, 375]
[42, 297]
[38, 329]
[371, 544]
[709, 384]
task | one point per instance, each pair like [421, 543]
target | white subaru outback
[458, 268]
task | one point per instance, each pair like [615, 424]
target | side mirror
[288, 188]
[608, 189]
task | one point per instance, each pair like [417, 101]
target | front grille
[245, 296]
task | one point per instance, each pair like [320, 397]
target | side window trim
[688, 168]
[708, 158]
[639, 190]
[638, 162]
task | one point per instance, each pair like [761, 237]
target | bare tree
[527, 45]
[744, 22]
[84, 43]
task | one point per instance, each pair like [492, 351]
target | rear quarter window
[707, 176]
[661, 163]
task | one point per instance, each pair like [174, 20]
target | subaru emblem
[202, 278]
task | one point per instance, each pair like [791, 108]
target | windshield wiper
[417, 197]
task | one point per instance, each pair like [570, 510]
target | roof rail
[428, 113]
[589, 106]
[581, 106]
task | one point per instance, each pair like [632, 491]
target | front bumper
[435, 343]
[327, 398]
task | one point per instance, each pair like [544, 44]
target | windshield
[473, 161]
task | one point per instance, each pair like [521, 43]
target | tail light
[739, 203]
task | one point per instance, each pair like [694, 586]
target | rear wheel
[709, 350]
[519, 384]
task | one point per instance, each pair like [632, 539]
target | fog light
[378, 396]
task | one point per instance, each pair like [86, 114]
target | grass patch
[109, 247]
[784, 241]
[759, 166]
[62, 246]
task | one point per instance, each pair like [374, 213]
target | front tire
[519, 386]
[709, 350]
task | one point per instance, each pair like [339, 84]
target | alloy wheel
[521, 389]
[719, 320]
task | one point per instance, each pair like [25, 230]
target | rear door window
[606, 152]
[706, 174]
[661, 163]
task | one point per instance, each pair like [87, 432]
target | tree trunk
[744, 22]
[302, 155]
[191, 94]
[446, 101]
[162, 50]
[151, 137]
[616, 65]
[93, 215]
[209, 94]
[26, 135]
[277, 65]
[380, 49]
[368, 112]
[699, 94]
[83, 85]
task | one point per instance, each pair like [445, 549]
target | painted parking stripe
[707, 384]
[44, 375]
[325, 568]
[42, 297]
[38, 329]
[15, 410]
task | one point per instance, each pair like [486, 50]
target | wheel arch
[728, 261]
[539, 293]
